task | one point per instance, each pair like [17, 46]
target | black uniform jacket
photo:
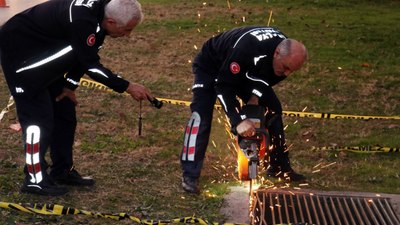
[49, 40]
[241, 60]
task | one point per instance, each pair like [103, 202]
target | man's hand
[253, 100]
[246, 128]
[138, 92]
[69, 94]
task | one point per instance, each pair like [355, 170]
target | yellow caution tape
[96, 85]
[59, 210]
[358, 149]
[337, 116]
[90, 84]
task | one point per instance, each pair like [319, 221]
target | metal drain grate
[271, 207]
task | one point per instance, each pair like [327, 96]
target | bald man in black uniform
[244, 62]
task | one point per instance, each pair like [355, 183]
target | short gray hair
[286, 48]
[123, 11]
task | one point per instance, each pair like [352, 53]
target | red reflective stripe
[195, 130]
[192, 150]
[36, 148]
[30, 168]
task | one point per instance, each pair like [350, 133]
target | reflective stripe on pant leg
[32, 154]
[189, 145]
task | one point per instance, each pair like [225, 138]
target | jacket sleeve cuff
[71, 84]
[235, 120]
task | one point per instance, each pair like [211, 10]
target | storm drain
[270, 207]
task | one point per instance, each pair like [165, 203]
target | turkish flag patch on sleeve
[235, 68]
[91, 40]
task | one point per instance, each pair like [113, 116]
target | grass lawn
[353, 68]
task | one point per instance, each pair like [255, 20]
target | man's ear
[276, 52]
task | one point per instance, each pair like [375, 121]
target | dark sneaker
[73, 178]
[293, 176]
[191, 185]
[43, 188]
[287, 175]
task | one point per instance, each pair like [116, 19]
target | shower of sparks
[317, 165]
[229, 4]
[289, 147]
[270, 17]
[215, 146]
[211, 195]
[330, 164]
[304, 109]
[244, 19]
[198, 30]
[189, 61]
[316, 171]
[195, 47]
[204, 3]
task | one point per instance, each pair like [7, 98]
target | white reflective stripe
[36, 178]
[35, 130]
[257, 92]
[32, 160]
[185, 147]
[197, 86]
[254, 79]
[39, 177]
[243, 36]
[33, 178]
[34, 185]
[70, 11]
[192, 129]
[46, 60]
[98, 28]
[99, 72]
[221, 99]
[73, 81]
[256, 59]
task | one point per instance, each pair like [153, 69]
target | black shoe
[73, 178]
[46, 188]
[293, 176]
[286, 174]
[191, 185]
